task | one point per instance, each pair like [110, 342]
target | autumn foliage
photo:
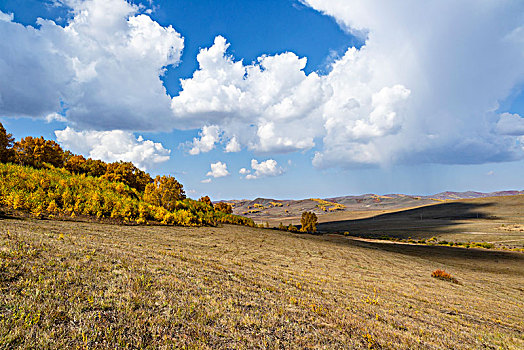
[443, 275]
[164, 192]
[308, 222]
[38, 177]
[224, 207]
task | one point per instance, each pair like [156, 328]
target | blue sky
[282, 99]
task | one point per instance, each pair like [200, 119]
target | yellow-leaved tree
[308, 222]
[224, 207]
[127, 173]
[165, 191]
[35, 151]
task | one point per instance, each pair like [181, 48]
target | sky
[275, 98]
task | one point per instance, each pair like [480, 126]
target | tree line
[40, 177]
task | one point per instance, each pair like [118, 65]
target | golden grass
[99, 286]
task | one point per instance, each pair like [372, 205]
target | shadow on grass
[424, 220]
[4, 216]
[495, 261]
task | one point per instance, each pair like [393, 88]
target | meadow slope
[91, 285]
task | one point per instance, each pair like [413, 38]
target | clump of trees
[164, 191]
[308, 222]
[224, 207]
[36, 152]
[206, 200]
[39, 153]
[37, 176]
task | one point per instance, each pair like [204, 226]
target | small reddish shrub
[443, 275]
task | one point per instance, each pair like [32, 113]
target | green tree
[164, 192]
[308, 222]
[6, 144]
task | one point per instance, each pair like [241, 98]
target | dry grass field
[497, 220]
[100, 286]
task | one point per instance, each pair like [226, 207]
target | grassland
[496, 220]
[99, 286]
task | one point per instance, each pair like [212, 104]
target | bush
[443, 275]
[292, 228]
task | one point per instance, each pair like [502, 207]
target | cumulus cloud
[6, 17]
[218, 169]
[425, 87]
[103, 68]
[510, 124]
[113, 146]
[261, 106]
[233, 146]
[266, 168]
[206, 141]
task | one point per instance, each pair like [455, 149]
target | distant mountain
[265, 208]
[472, 194]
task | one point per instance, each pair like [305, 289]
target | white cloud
[266, 168]
[6, 17]
[510, 124]
[55, 117]
[261, 106]
[218, 169]
[113, 146]
[425, 87]
[206, 181]
[104, 66]
[233, 146]
[209, 136]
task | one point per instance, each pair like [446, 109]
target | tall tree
[164, 192]
[308, 221]
[6, 144]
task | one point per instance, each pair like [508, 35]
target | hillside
[99, 286]
[272, 210]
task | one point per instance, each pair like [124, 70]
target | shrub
[292, 228]
[443, 275]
